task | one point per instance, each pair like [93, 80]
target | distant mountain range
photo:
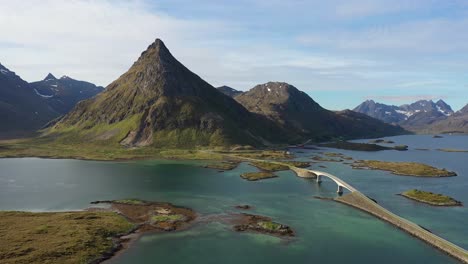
[159, 102]
[26, 107]
[62, 94]
[424, 116]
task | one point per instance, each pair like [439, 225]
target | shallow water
[328, 232]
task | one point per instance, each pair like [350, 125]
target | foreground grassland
[404, 168]
[431, 198]
[65, 237]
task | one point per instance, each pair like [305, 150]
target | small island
[403, 168]
[381, 141]
[89, 236]
[361, 146]
[262, 224]
[269, 166]
[431, 198]
[452, 150]
[222, 166]
[255, 176]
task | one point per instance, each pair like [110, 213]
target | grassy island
[381, 141]
[431, 198]
[222, 166]
[354, 146]
[64, 237]
[452, 150]
[89, 236]
[255, 176]
[403, 168]
[262, 224]
[268, 166]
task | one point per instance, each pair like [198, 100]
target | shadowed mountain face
[295, 110]
[63, 94]
[416, 117]
[231, 92]
[22, 111]
[160, 102]
[456, 123]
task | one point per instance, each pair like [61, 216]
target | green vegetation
[43, 148]
[255, 176]
[167, 218]
[269, 225]
[401, 147]
[452, 150]
[268, 166]
[404, 168]
[338, 155]
[299, 164]
[354, 146]
[130, 201]
[263, 154]
[64, 237]
[431, 198]
[376, 141]
[323, 159]
[225, 165]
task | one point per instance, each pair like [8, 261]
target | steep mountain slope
[295, 110]
[415, 117]
[63, 94]
[160, 102]
[456, 123]
[21, 110]
[231, 92]
[386, 113]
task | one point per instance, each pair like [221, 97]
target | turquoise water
[327, 232]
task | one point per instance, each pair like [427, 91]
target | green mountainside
[294, 110]
[159, 102]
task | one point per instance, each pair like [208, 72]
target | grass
[452, 150]
[269, 225]
[64, 237]
[264, 154]
[337, 155]
[354, 146]
[255, 176]
[324, 159]
[130, 201]
[268, 166]
[93, 151]
[382, 141]
[404, 168]
[431, 198]
[167, 218]
[299, 164]
[222, 165]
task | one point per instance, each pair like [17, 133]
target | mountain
[456, 123]
[231, 92]
[295, 110]
[415, 117]
[63, 94]
[159, 102]
[22, 111]
[387, 113]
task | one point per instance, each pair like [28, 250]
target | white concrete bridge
[315, 174]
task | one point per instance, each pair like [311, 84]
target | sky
[340, 52]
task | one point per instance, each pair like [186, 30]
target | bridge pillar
[319, 178]
[340, 190]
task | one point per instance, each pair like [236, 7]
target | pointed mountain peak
[50, 76]
[157, 50]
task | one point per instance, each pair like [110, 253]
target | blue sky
[340, 52]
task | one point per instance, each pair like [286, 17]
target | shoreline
[458, 203]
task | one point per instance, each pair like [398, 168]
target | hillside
[63, 94]
[456, 123]
[229, 91]
[22, 111]
[159, 102]
[296, 111]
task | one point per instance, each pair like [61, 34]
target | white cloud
[91, 40]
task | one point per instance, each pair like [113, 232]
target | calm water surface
[328, 232]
